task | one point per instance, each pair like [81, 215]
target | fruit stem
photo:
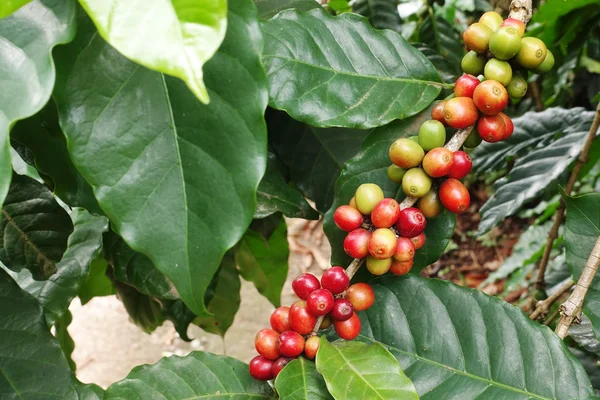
[543, 306]
[521, 10]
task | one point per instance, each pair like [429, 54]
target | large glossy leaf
[33, 228]
[532, 173]
[582, 229]
[27, 38]
[85, 243]
[96, 284]
[299, 380]
[265, 261]
[438, 34]
[583, 334]
[454, 342]
[61, 333]
[370, 166]
[339, 71]
[224, 300]
[274, 194]
[41, 134]
[7, 7]
[549, 16]
[446, 68]
[32, 364]
[89, 392]
[172, 37]
[268, 8]
[315, 156]
[382, 14]
[196, 376]
[591, 364]
[354, 370]
[144, 311]
[182, 186]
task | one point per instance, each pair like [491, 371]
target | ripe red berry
[290, 343]
[301, 319]
[510, 127]
[348, 329]
[437, 113]
[335, 280]
[460, 112]
[385, 214]
[347, 218]
[279, 364]
[401, 267]
[438, 162]
[320, 302]
[418, 241]
[361, 296]
[490, 97]
[304, 284]
[465, 86]
[342, 310]
[265, 343]
[382, 243]
[491, 128]
[261, 368]
[280, 319]
[462, 165]
[454, 196]
[405, 249]
[311, 347]
[356, 243]
[411, 222]
[477, 37]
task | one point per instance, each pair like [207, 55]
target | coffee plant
[152, 151]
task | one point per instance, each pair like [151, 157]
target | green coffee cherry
[416, 182]
[432, 134]
[532, 52]
[367, 196]
[473, 140]
[505, 43]
[547, 64]
[395, 173]
[517, 87]
[498, 70]
[472, 63]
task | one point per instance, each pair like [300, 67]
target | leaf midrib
[459, 372]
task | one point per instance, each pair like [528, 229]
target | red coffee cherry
[348, 329]
[437, 113]
[361, 296]
[347, 218]
[290, 343]
[510, 127]
[356, 243]
[342, 309]
[311, 347]
[461, 112]
[418, 241]
[405, 249]
[465, 86]
[454, 196]
[438, 162]
[462, 165]
[335, 280]
[477, 37]
[280, 319]
[265, 343]
[490, 97]
[491, 128]
[261, 368]
[301, 319]
[411, 222]
[385, 214]
[401, 267]
[304, 284]
[279, 364]
[320, 302]
[382, 243]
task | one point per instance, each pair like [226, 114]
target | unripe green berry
[492, 19]
[472, 63]
[395, 173]
[532, 52]
[406, 153]
[432, 134]
[505, 43]
[368, 195]
[517, 87]
[477, 37]
[473, 140]
[416, 182]
[547, 64]
[498, 70]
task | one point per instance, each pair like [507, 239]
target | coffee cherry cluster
[292, 330]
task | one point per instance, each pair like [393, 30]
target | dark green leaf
[34, 228]
[196, 376]
[454, 342]
[175, 38]
[268, 8]
[339, 71]
[591, 364]
[41, 134]
[28, 37]
[552, 12]
[382, 14]
[275, 194]
[144, 311]
[64, 338]
[583, 334]
[314, 156]
[225, 300]
[89, 392]
[181, 317]
[299, 380]
[370, 166]
[32, 364]
[97, 283]
[439, 35]
[354, 370]
[445, 68]
[582, 229]
[264, 262]
[183, 169]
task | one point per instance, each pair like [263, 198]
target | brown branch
[543, 306]
[521, 10]
[570, 310]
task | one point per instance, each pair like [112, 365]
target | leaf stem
[543, 306]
